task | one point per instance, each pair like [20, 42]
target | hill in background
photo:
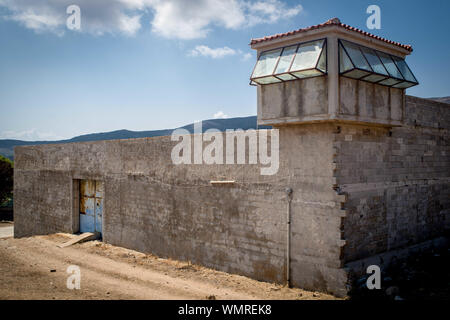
[245, 123]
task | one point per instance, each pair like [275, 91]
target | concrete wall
[293, 101]
[397, 181]
[308, 100]
[152, 205]
[359, 192]
[369, 102]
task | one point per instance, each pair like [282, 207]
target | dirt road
[35, 268]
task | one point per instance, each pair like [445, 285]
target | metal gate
[91, 206]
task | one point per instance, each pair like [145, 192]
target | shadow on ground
[423, 276]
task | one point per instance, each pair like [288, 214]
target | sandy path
[6, 230]
[35, 268]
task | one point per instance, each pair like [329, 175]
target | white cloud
[30, 135]
[97, 16]
[178, 19]
[130, 25]
[38, 22]
[193, 19]
[269, 11]
[217, 53]
[220, 115]
[246, 56]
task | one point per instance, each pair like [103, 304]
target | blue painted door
[91, 206]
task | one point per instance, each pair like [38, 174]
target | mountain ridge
[244, 123]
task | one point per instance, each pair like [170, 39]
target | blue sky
[152, 64]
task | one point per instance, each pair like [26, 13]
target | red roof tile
[336, 22]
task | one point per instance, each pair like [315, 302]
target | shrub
[6, 180]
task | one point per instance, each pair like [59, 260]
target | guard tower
[331, 72]
[337, 96]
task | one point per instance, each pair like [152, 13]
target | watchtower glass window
[362, 63]
[303, 60]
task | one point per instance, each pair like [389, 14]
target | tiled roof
[335, 22]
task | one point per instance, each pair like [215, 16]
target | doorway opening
[91, 206]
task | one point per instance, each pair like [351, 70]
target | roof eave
[323, 31]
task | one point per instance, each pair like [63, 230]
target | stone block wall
[397, 181]
[154, 206]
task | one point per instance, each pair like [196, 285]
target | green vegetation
[6, 181]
